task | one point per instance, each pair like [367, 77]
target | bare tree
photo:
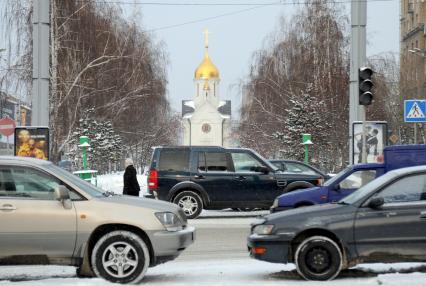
[299, 85]
[99, 60]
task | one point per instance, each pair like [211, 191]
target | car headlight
[170, 221]
[275, 204]
[263, 229]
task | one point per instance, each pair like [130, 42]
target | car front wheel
[318, 258]
[120, 257]
[190, 202]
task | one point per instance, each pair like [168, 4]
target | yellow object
[206, 69]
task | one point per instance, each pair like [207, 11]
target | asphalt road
[219, 238]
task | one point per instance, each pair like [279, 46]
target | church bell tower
[204, 119]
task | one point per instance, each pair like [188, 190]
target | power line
[208, 18]
[185, 4]
[253, 7]
[282, 2]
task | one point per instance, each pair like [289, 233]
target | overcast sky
[235, 37]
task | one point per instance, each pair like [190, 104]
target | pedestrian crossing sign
[415, 110]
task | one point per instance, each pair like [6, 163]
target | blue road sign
[415, 110]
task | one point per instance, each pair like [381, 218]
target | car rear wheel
[120, 257]
[190, 202]
[318, 258]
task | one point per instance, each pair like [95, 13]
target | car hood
[141, 202]
[301, 192]
[312, 216]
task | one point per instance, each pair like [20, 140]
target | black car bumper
[269, 248]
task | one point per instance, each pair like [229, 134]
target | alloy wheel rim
[318, 260]
[188, 204]
[120, 259]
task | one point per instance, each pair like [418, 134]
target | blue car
[352, 178]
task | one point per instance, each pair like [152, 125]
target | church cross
[206, 38]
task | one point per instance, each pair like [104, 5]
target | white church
[206, 119]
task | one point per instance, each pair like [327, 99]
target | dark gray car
[384, 221]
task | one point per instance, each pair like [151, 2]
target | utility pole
[40, 90]
[358, 58]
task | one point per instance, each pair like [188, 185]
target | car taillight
[320, 182]
[153, 179]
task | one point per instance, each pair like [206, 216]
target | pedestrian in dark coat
[131, 185]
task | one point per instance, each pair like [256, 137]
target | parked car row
[381, 218]
[371, 212]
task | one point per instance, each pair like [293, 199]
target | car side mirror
[263, 170]
[376, 203]
[62, 194]
[337, 188]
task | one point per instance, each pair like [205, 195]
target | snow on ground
[114, 183]
[238, 272]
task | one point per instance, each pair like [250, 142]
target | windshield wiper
[343, 203]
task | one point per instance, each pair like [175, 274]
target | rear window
[174, 160]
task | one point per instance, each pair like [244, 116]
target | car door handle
[423, 214]
[240, 178]
[7, 207]
[389, 214]
[199, 177]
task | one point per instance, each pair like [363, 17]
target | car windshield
[336, 177]
[85, 186]
[366, 190]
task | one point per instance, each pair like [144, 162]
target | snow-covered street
[219, 257]
[243, 271]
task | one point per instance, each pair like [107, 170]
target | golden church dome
[206, 69]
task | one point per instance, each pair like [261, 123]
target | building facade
[206, 119]
[413, 49]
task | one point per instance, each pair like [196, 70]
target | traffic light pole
[358, 58]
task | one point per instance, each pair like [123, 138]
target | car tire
[120, 257]
[318, 258]
[190, 202]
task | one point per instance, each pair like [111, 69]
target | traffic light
[365, 86]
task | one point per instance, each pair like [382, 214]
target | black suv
[197, 177]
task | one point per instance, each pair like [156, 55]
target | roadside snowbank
[238, 272]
